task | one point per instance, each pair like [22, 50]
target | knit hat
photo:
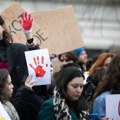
[79, 51]
[1, 21]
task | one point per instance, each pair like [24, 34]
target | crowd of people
[71, 96]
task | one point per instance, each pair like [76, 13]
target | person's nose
[79, 90]
[12, 86]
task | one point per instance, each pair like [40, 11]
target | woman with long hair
[6, 90]
[110, 84]
[67, 102]
[12, 54]
[102, 61]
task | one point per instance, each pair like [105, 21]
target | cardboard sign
[56, 29]
[56, 65]
[11, 16]
[38, 63]
[113, 107]
[61, 27]
[3, 113]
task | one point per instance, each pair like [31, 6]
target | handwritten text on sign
[52, 29]
[11, 15]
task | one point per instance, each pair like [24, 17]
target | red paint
[26, 21]
[35, 61]
[46, 65]
[39, 71]
[3, 64]
[38, 60]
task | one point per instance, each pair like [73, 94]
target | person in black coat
[29, 99]
[12, 54]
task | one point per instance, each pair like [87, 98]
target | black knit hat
[1, 21]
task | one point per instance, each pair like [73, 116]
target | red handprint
[39, 71]
[26, 21]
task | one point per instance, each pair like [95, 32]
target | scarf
[61, 108]
[11, 110]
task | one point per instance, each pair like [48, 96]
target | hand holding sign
[29, 83]
[26, 21]
[38, 63]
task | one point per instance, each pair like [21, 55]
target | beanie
[79, 51]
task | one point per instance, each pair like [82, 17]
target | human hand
[53, 55]
[29, 83]
[26, 21]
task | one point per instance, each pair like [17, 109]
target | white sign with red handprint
[113, 107]
[38, 63]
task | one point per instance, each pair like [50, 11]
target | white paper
[113, 107]
[3, 113]
[38, 61]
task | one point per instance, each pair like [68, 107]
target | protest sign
[38, 63]
[55, 29]
[113, 107]
[62, 29]
[3, 113]
[11, 15]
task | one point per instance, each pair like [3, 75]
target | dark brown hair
[61, 81]
[111, 77]
[3, 79]
[6, 35]
[70, 56]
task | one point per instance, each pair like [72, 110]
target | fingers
[23, 16]
[53, 55]
[26, 16]
[26, 21]
[31, 66]
[30, 17]
[29, 78]
[29, 83]
[21, 22]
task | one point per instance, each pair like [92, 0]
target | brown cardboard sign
[11, 16]
[55, 29]
[62, 29]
